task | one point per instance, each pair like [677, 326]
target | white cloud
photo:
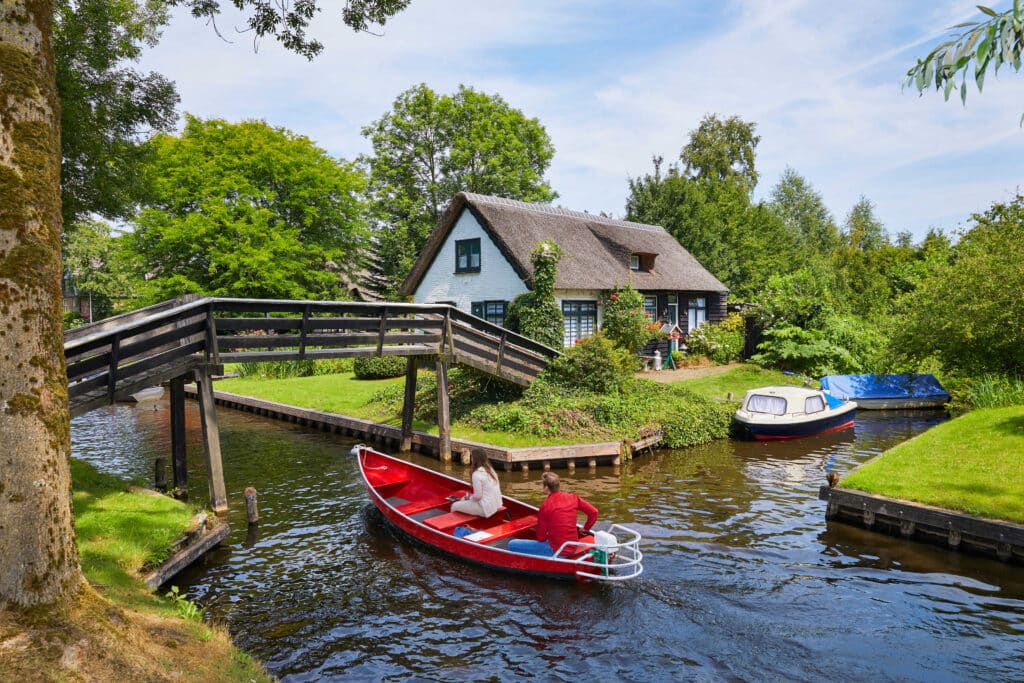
[821, 81]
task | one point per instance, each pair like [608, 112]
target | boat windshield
[773, 405]
[813, 404]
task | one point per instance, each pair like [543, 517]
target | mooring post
[160, 476]
[252, 513]
[408, 403]
[444, 430]
[179, 463]
[211, 442]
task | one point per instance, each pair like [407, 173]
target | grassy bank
[737, 382]
[973, 464]
[116, 628]
[545, 418]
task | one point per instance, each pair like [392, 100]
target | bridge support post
[211, 442]
[179, 462]
[409, 403]
[444, 429]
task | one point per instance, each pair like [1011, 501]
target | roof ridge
[558, 211]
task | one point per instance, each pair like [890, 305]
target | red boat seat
[509, 528]
[450, 520]
[417, 506]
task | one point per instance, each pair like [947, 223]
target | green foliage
[429, 147]
[186, 608]
[967, 312]
[721, 342]
[379, 367]
[295, 368]
[722, 151]
[624, 322]
[246, 210]
[862, 230]
[741, 243]
[98, 263]
[995, 41]
[536, 314]
[107, 108]
[691, 419]
[799, 298]
[804, 212]
[73, 319]
[594, 364]
[287, 22]
[808, 352]
[993, 391]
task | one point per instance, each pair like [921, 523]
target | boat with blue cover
[887, 392]
[786, 412]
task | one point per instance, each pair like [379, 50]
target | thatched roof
[597, 249]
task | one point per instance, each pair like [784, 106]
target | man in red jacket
[556, 520]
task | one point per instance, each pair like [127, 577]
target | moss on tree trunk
[39, 564]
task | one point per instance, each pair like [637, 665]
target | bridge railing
[116, 357]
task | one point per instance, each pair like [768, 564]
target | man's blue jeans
[522, 545]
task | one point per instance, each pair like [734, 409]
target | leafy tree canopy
[720, 151]
[247, 210]
[287, 22]
[429, 147]
[862, 230]
[107, 108]
[804, 213]
[967, 312]
[995, 41]
[96, 263]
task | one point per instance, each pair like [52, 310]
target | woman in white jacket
[486, 497]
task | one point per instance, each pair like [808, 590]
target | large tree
[803, 210]
[705, 202]
[431, 146]
[246, 210]
[967, 311]
[107, 108]
[37, 545]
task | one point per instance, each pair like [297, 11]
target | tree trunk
[38, 555]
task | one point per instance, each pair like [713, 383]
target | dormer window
[641, 263]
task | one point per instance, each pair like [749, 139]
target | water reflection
[745, 580]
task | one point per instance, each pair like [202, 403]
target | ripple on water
[745, 579]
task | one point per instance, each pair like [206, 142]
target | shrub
[692, 419]
[994, 391]
[73, 319]
[536, 314]
[807, 352]
[721, 342]
[594, 364]
[678, 357]
[624, 321]
[379, 367]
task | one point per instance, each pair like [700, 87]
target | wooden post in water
[444, 428]
[211, 442]
[252, 513]
[409, 403]
[160, 476]
[179, 463]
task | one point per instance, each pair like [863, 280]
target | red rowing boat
[418, 500]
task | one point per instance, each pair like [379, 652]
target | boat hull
[397, 487]
[766, 429]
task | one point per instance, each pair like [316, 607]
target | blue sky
[616, 83]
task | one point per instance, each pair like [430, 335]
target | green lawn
[343, 394]
[737, 381]
[120, 532]
[973, 464]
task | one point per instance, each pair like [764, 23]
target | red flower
[615, 297]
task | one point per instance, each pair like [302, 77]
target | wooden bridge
[191, 338]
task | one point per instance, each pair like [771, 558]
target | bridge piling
[179, 462]
[408, 403]
[211, 441]
[444, 429]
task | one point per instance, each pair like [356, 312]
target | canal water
[744, 580]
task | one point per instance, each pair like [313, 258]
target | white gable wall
[496, 281]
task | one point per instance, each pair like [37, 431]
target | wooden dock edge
[608, 452]
[925, 523]
[207, 532]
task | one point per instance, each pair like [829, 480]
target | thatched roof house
[478, 258]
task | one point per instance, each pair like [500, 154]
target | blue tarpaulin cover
[852, 387]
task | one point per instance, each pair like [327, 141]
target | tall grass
[996, 391]
[295, 368]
